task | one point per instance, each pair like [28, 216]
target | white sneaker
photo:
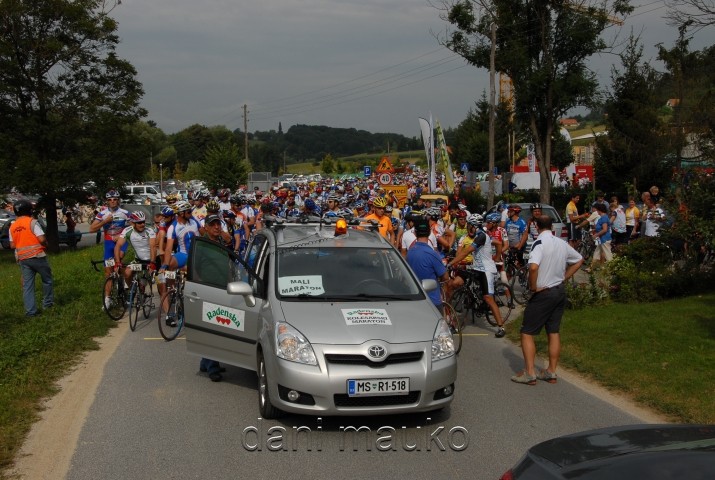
[107, 303]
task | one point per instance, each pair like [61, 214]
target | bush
[583, 296]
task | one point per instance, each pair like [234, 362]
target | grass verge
[661, 354]
[36, 352]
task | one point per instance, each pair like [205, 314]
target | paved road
[156, 416]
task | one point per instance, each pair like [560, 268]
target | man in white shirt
[551, 262]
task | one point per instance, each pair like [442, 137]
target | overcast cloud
[367, 64]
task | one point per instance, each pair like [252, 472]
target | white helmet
[475, 220]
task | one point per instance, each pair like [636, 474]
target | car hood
[615, 442]
[353, 323]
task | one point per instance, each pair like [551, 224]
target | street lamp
[161, 184]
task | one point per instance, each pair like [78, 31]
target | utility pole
[492, 110]
[245, 132]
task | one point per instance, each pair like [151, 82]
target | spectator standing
[573, 218]
[602, 236]
[618, 224]
[71, 227]
[633, 216]
[425, 261]
[28, 240]
[551, 263]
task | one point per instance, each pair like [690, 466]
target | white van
[144, 191]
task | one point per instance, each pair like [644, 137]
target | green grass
[36, 352]
[661, 354]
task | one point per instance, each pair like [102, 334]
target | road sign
[384, 178]
[385, 166]
[465, 167]
[367, 170]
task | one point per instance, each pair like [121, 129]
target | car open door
[219, 325]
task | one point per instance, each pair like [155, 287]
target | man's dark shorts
[545, 309]
[574, 233]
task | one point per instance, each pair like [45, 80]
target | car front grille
[344, 400]
[357, 359]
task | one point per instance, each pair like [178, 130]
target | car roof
[316, 233]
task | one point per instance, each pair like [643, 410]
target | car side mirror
[243, 289]
[429, 284]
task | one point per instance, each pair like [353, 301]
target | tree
[690, 14]
[224, 167]
[632, 149]
[543, 47]
[327, 166]
[68, 103]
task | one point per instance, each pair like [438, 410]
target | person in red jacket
[28, 240]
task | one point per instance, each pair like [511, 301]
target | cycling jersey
[182, 234]
[118, 223]
[483, 260]
[514, 230]
[139, 242]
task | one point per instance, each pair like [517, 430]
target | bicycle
[517, 275]
[140, 293]
[586, 245]
[469, 297]
[114, 304]
[173, 299]
[456, 324]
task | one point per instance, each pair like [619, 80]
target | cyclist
[112, 221]
[181, 231]
[142, 240]
[445, 238]
[517, 232]
[499, 241]
[483, 264]
[167, 214]
[386, 230]
[535, 213]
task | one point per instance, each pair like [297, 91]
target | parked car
[65, 238]
[636, 451]
[333, 323]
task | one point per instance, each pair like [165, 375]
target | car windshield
[342, 273]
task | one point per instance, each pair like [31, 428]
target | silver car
[333, 323]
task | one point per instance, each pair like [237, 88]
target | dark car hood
[660, 451]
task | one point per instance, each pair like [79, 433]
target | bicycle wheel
[115, 305]
[455, 325]
[520, 286]
[504, 297]
[170, 326]
[135, 302]
[148, 295]
[460, 302]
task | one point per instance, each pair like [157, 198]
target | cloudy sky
[367, 64]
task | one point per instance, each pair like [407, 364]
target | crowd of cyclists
[463, 239]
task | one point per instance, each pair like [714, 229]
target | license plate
[109, 262]
[135, 267]
[170, 275]
[378, 386]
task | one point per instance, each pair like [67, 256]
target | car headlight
[292, 345]
[442, 342]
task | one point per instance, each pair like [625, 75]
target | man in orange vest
[28, 240]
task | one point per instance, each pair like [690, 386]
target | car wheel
[266, 408]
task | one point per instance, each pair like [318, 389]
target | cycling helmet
[434, 212]
[213, 206]
[309, 204]
[380, 202]
[195, 195]
[388, 209]
[359, 205]
[536, 206]
[225, 192]
[183, 206]
[493, 217]
[173, 197]
[475, 220]
[235, 199]
[112, 194]
[22, 208]
[515, 208]
[229, 214]
[205, 193]
[461, 214]
[167, 211]
[395, 223]
[333, 197]
[137, 216]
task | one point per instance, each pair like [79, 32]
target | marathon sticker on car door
[223, 316]
[366, 316]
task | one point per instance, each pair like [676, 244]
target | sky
[373, 65]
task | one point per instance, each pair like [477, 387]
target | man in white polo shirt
[551, 262]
